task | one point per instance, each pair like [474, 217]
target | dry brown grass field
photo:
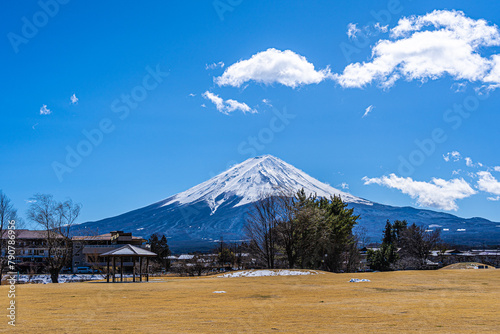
[443, 301]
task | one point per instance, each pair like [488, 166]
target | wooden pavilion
[131, 252]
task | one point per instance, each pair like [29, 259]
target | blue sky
[208, 83]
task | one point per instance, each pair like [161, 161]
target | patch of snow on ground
[63, 278]
[263, 273]
[357, 280]
[219, 292]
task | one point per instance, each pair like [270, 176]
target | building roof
[185, 257]
[106, 236]
[30, 234]
[129, 250]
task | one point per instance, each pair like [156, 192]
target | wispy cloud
[192, 94]
[438, 193]
[267, 102]
[352, 30]
[428, 47]
[344, 186]
[273, 66]
[214, 65]
[74, 99]
[470, 163]
[452, 156]
[44, 110]
[381, 28]
[227, 106]
[368, 110]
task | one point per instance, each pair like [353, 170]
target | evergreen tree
[383, 258]
[159, 246]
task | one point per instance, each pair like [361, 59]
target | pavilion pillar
[107, 271]
[133, 268]
[140, 268]
[114, 267]
[121, 268]
[147, 269]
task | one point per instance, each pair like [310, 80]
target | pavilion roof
[129, 250]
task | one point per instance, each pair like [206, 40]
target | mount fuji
[196, 218]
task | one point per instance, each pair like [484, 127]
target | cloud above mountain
[438, 193]
[227, 106]
[273, 66]
[429, 47]
[488, 183]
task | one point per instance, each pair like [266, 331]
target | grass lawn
[443, 301]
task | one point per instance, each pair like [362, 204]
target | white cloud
[488, 183]
[44, 110]
[429, 47]
[192, 94]
[352, 30]
[214, 65]
[438, 193]
[227, 106]
[380, 28]
[344, 185]
[456, 172]
[74, 99]
[273, 66]
[368, 110]
[203, 105]
[496, 168]
[494, 75]
[494, 199]
[454, 156]
[470, 163]
[267, 102]
[459, 87]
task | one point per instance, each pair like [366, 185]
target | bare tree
[416, 244]
[7, 214]
[56, 219]
[261, 228]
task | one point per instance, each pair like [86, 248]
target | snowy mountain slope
[255, 177]
[196, 218]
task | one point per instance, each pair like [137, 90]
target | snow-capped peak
[253, 178]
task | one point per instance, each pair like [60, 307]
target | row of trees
[303, 231]
[403, 247]
[223, 257]
[300, 231]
